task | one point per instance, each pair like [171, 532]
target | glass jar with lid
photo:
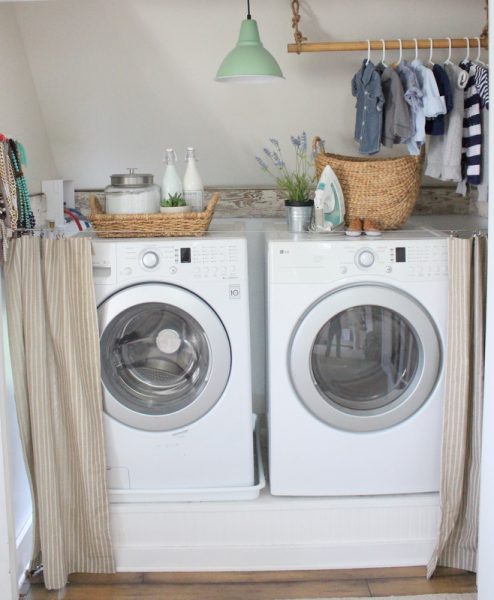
[131, 193]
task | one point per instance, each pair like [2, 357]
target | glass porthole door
[365, 357]
[165, 356]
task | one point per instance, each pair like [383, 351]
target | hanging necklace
[9, 189]
[3, 204]
[26, 218]
[4, 192]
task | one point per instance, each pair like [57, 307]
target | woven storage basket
[384, 190]
[151, 225]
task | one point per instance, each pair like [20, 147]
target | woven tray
[383, 189]
[151, 225]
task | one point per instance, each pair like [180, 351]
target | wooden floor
[269, 585]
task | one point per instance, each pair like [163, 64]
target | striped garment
[482, 84]
[472, 129]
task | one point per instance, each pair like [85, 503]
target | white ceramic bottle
[172, 183]
[193, 187]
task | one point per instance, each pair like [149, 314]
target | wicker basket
[150, 225]
[384, 190]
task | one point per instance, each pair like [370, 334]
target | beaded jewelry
[3, 206]
[9, 188]
[3, 192]
[26, 218]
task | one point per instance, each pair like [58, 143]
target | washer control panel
[205, 260]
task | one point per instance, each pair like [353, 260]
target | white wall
[18, 495]
[485, 577]
[120, 80]
[8, 517]
[20, 118]
[20, 114]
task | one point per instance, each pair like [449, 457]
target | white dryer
[356, 338]
[175, 363]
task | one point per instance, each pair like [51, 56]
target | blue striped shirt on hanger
[472, 128]
[482, 83]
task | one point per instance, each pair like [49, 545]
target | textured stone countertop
[269, 203]
[449, 222]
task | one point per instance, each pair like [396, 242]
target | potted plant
[175, 203]
[297, 184]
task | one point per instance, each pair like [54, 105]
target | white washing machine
[175, 363]
[356, 339]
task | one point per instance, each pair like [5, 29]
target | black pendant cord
[248, 10]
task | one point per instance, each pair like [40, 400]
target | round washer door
[365, 357]
[165, 356]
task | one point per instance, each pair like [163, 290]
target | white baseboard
[24, 548]
[276, 533]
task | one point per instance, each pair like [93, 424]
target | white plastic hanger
[448, 60]
[416, 49]
[467, 57]
[368, 52]
[430, 52]
[401, 53]
[463, 76]
[383, 59]
[477, 60]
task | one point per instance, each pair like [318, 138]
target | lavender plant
[297, 184]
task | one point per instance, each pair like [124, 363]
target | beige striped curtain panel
[462, 424]
[53, 333]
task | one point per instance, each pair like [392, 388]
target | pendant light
[249, 61]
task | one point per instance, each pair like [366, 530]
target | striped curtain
[462, 424]
[54, 344]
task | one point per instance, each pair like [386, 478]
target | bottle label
[195, 199]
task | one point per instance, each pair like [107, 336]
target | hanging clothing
[435, 126]
[443, 158]
[366, 87]
[434, 103]
[483, 187]
[472, 131]
[414, 97]
[482, 84]
[397, 125]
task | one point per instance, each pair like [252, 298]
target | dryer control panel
[325, 261]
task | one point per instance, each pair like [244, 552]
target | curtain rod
[394, 44]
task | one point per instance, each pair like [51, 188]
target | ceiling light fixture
[249, 61]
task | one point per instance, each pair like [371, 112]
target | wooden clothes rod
[389, 45]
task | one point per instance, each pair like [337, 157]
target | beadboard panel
[276, 533]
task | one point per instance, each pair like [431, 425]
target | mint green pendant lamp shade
[249, 61]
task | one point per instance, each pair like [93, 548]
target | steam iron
[329, 204]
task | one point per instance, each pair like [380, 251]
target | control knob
[150, 259]
[365, 258]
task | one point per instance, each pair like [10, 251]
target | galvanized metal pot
[299, 215]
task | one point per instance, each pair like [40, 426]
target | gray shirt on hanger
[398, 127]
